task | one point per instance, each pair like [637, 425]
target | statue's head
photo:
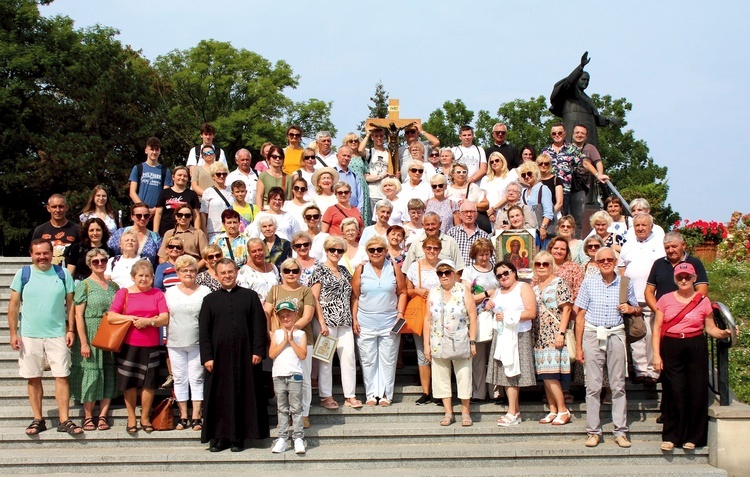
[583, 81]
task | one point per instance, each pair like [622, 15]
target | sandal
[70, 427]
[147, 428]
[132, 430]
[667, 446]
[103, 424]
[509, 420]
[88, 424]
[384, 402]
[447, 420]
[197, 424]
[562, 419]
[36, 426]
[353, 403]
[688, 446]
[182, 424]
[371, 402]
[466, 420]
[329, 404]
[548, 418]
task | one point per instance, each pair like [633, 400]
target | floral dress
[335, 294]
[550, 362]
[92, 379]
[360, 168]
[572, 273]
[448, 315]
[205, 279]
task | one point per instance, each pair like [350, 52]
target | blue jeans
[289, 402]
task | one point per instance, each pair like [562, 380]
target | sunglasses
[142, 216]
[564, 226]
[495, 161]
[461, 173]
[312, 217]
[336, 250]
[416, 171]
[274, 156]
[376, 250]
[542, 264]
[438, 186]
[502, 275]
[607, 260]
[214, 256]
[353, 140]
[544, 163]
[294, 135]
[208, 153]
[343, 192]
[434, 154]
[410, 131]
[181, 215]
[309, 158]
[288, 271]
[299, 189]
[221, 174]
[174, 247]
[432, 248]
[527, 174]
[499, 132]
[594, 246]
[98, 261]
[680, 278]
[301, 245]
[557, 133]
[444, 273]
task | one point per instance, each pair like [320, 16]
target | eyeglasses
[301, 245]
[214, 256]
[299, 189]
[221, 174]
[561, 133]
[438, 186]
[434, 154]
[607, 260]
[353, 140]
[432, 248]
[181, 215]
[680, 278]
[593, 246]
[290, 271]
[416, 171]
[460, 172]
[468, 212]
[312, 217]
[98, 261]
[174, 247]
[499, 133]
[410, 131]
[502, 275]
[543, 163]
[309, 158]
[275, 156]
[294, 135]
[564, 226]
[494, 161]
[376, 250]
[142, 216]
[542, 264]
[527, 174]
[343, 192]
[444, 273]
[336, 250]
[208, 153]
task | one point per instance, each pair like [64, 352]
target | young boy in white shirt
[288, 351]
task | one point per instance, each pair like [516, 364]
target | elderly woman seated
[513, 198]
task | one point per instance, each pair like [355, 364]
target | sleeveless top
[512, 301]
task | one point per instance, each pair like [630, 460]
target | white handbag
[485, 325]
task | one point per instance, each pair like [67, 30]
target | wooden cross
[392, 126]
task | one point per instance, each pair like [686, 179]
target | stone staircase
[400, 440]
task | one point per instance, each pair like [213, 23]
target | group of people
[253, 266]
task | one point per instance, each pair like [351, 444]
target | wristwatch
[152, 323]
[561, 333]
[472, 342]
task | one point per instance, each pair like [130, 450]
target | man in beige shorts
[44, 294]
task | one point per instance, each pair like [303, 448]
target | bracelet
[486, 295]
[472, 342]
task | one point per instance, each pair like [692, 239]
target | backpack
[197, 152]
[139, 170]
[26, 276]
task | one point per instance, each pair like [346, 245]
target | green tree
[445, 122]
[76, 109]
[379, 107]
[312, 116]
[528, 121]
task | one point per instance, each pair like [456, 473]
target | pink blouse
[692, 322]
[144, 305]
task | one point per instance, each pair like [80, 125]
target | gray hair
[639, 203]
[321, 134]
[93, 253]
[674, 237]
[596, 257]
[644, 215]
[384, 204]
[265, 220]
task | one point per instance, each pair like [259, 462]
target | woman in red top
[336, 213]
[138, 360]
[682, 357]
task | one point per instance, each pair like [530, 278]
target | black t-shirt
[171, 201]
[76, 255]
[662, 275]
[509, 152]
[61, 238]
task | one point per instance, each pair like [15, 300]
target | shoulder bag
[415, 310]
[697, 299]
[454, 345]
[110, 337]
[635, 325]
[162, 417]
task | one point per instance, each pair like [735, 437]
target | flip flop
[356, 404]
[329, 404]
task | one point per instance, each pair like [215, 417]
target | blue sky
[683, 65]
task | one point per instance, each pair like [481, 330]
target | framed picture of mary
[516, 247]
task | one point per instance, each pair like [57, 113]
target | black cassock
[232, 330]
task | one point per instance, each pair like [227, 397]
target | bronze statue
[574, 106]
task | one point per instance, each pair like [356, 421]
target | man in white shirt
[471, 155]
[636, 259]
[244, 173]
[326, 156]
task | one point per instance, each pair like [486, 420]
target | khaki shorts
[33, 352]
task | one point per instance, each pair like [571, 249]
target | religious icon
[516, 247]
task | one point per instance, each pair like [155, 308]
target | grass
[730, 284]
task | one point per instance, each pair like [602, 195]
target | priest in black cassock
[233, 342]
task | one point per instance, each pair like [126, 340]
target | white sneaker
[279, 446]
[299, 446]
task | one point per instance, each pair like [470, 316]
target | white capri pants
[378, 353]
[345, 351]
[187, 372]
